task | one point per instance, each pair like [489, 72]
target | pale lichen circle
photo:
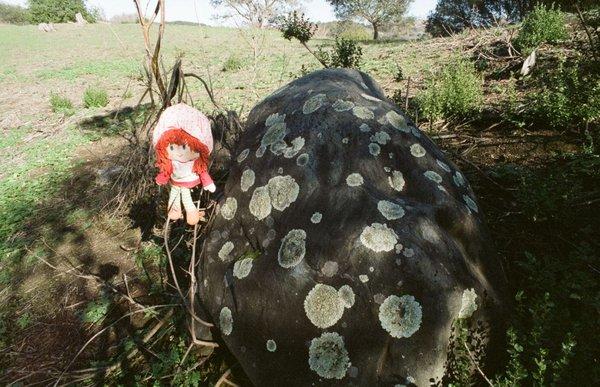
[363, 113]
[468, 304]
[242, 156]
[378, 237]
[397, 121]
[397, 181]
[242, 268]
[247, 180]
[271, 345]
[313, 104]
[292, 249]
[328, 357]
[229, 208]
[417, 150]
[374, 149]
[400, 316]
[302, 160]
[225, 250]
[323, 306]
[347, 296]
[342, 106]
[316, 217]
[433, 176]
[354, 180]
[260, 203]
[390, 210]
[470, 203]
[283, 191]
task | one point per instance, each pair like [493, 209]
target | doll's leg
[192, 214]
[174, 206]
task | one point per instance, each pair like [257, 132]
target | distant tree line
[48, 11]
[451, 16]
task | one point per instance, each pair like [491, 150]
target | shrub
[61, 104]
[13, 14]
[57, 11]
[346, 53]
[295, 25]
[542, 25]
[95, 97]
[232, 63]
[456, 90]
[569, 96]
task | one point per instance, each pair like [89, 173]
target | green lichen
[417, 150]
[397, 121]
[381, 137]
[271, 345]
[283, 191]
[470, 203]
[433, 176]
[229, 208]
[397, 181]
[342, 106]
[346, 294]
[260, 203]
[247, 180]
[390, 210]
[225, 250]
[374, 149]
[443, 165]
[314, 103]
[328, 357]
[400, 316]
[242, 268]
[459, 179]
[302, 160]
[363, 113]
[354, 180]
[323, 306]
[242, 156]
[226, 321]
[316, 217]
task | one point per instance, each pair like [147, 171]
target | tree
[256, 13]
[13, 14]
[376, 12]
[57, 11]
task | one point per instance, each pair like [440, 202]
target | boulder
[46, 27]
[79, 20]
[346, 243]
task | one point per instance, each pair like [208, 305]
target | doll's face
[181, 153]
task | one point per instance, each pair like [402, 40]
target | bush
[456, 90]
[295, 25]
[95, 97]
[346, 53]
[13, 14]
[569, 96]
[57, 11]
[542, 25]
[351, 31]
[233, 63]
[61, 104]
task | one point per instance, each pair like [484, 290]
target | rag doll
[183, 142]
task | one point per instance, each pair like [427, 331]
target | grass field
[530, 183]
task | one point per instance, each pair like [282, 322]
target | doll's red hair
[179, 137]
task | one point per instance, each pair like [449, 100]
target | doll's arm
[207, 182]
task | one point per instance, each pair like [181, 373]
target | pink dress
[184, 175]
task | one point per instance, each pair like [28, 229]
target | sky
[316, 10]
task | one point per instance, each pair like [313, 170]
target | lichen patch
[247, 180]
[329, 268]
[364, 128]
[229, 208]
[328, 357]
[302, 160]
[374, 149]
[470, 203]
[417, 150]
[378, 237]
[292, 249]
[354, 180]
[260, 203]
[347, 296]
[342, 106]
[242, 268]
[459, 179]
[381, 137]
[468, 304]
[400, 316]
[314, 103]
[397, 121]
[363, 113]
[225, 250]
[316, 217]
[323, 306]
[226, 321]
[433, 176]
[271, 345]
[242, 156]
[390, 210]
[397, 181]
[283, 191]
[443, 165]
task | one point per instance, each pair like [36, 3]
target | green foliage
[13, 14]
[543, 25]
[376, 12]
[24, 320]
[233, 63]
[95, 97]
[569, 95]
[61, 104]
[456, 90]
[295, 25]
[345, 53]
[96, 310]
[57, 11]
[350, 30]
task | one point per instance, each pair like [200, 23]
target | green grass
[95, 97]
[61, 104]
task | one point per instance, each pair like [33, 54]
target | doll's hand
[211, 187]
[161, 179]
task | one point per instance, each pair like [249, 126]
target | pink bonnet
[187, 118]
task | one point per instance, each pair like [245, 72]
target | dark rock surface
[346, 244]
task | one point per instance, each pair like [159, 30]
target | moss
[342, 106]
[468, 304]
[397, 121]
[354, 180]
[397, 181]
[374, 149]
[363, 113]
[242, 268]
[378, 237]
[247, 180]
[283, 191]
[226, 321]
[347, 296]
[260, 203]
[323, 306]
[470, 203]
[433, 176]
[225, 250]
[242, 156]
[328, 357]
[417, 150]
[390, 210]
[292, 249]
[316, 217]
[314, 103]
[400, 316]
[271, 345]
[229, 208]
